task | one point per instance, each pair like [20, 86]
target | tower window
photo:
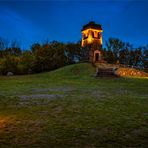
[92, 33]
[85, 36]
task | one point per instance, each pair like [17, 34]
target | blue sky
[37, 21]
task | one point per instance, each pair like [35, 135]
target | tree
[2, 66]
[16, 51]
[3, 46]
[39, 53]
[115, 45]
[72, 52]
[25, 65]
[84, 53]
[10, 64]
[138, 57]
[35, 47]
[110, 57]
[124, 54]
[145, 57]
[48, 56]
[57, 58]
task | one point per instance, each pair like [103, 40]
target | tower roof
[92, 25]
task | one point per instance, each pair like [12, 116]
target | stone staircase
[105, 70]
[115, 70]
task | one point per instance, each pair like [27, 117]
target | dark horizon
[38, 21]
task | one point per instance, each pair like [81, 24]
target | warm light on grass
[2, 123]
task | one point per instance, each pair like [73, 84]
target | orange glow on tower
[92, 34]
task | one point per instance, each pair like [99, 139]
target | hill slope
[69, 107]
[75, 70]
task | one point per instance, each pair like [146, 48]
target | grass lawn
[69, 107]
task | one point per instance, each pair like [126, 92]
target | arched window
[92, 33]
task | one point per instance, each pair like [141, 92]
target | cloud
[15, 26]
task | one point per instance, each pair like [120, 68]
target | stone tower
[92, 38]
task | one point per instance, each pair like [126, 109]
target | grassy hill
[69, 107]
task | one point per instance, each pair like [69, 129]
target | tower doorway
[96, 57]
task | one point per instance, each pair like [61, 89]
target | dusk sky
[38, 21]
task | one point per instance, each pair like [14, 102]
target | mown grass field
[69, 107]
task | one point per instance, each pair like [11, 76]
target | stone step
[105, 72]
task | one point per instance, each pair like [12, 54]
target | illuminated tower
[92, 37]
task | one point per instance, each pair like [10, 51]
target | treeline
[52, 55]
[41, 57]
[117, 51]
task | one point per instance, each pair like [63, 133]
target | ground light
[2, 122]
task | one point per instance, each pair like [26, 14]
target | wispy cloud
[16, 26]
